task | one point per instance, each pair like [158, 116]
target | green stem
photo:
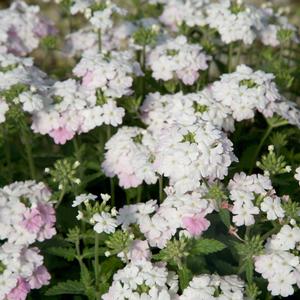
[112, 184]
[230, 53]
[8, 156]
[271, 126]
[258, 149]
[61, 196]
[139, 194]
[78, 254]
[28, 150]
[99, 40]
[143, 63]
[96, 267]
[161, 189]
[240, 50]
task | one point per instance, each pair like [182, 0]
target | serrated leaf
[185, 276]
[68, 287]
[206, 246]
[225, 217]
[90, 252]
[87, 282]
[108, 268]
[249, 270]
[68, 253]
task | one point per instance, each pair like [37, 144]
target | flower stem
[28, 150]
[96, 267]
[161, 188]
[139, 194]
[230, 53]
[99, 40]
[61, 196]
[258, 149]
[112, 184]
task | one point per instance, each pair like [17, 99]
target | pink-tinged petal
[32, 220]
[128, 180]
[20, 291]
[39, 278]
[87, 79]
[61, 135]
[195, 224]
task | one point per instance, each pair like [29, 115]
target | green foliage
[68, 253]
[68, 287]
[206, 246]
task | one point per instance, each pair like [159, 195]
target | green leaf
[90, 252]
[185, 276]
[249, 270]
[87, 282]
[68, 287]
[108, 268]
[225, 217]
[206, 246]
[68, 253]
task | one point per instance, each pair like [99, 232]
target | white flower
[297, 175]
[104, 223]
[176, 59]
[244, 215]
[272, 206]
[82, 198]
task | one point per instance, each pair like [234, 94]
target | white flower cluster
[252, 194]
[185, 213]
[19, 73]
[235, 97]
[83, 40]
[234, 20]
[184, 154]
[297, 175]
[71, 109]
[159, 111]
[274, 22]
[22, 27]
[102, 19]
[279, 265]
[188, 12]
[100, 14]
[129, 155]
[26, 216]
[187, 154]
[143, 281]
[245, 91]
[111, 74]
[210, 287]
[21, 269]
[177, 59]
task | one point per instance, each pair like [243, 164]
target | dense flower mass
[149, 150]
[130, 156]
[26, 216]
[26, 213]
[22, 27]
[21, 270]
[176, 59]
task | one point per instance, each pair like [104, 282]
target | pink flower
[128, 180]
[61, 135]
[39, 278]
[33, 220]
[20, 291]
[195, 224]
[47, 212]
[87, 79]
